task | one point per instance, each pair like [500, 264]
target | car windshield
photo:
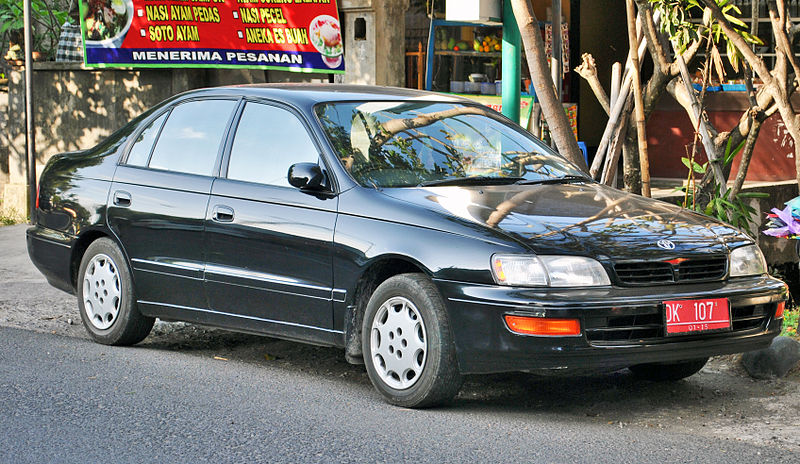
[414, 143]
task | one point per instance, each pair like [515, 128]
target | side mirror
[307, 176]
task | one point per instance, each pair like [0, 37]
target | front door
[268, 244]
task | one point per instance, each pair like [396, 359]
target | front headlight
[548, 271]
[747, 261]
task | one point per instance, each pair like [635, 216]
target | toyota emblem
[666, 244]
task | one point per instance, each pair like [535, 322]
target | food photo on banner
[289, 36]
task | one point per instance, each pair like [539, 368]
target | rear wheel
[106, 297]
[408, 349]
[668, 372]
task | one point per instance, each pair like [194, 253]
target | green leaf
[731, 154]
[754, 195]
[735, 20]
[700, 169]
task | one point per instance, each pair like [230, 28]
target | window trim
[139, 130]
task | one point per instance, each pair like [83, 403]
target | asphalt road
[65, 399]
[189, 394]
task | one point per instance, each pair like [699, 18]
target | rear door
[159, 198]
[268, 244]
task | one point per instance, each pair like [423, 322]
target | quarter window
[140, 152]
[191, 137]
[268, 141]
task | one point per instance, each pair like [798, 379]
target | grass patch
[790, 318]
[9, 218]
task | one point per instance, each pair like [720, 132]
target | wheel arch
[79, 250]
[375, 273]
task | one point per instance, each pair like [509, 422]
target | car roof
[303, 94]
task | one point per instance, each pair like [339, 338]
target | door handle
[222, 214]
[122, 198]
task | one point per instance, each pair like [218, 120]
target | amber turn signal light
[779, 311]
[543, 326]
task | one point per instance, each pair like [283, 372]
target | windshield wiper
[555, 180]
[472, 180]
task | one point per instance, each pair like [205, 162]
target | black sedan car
[428, 236]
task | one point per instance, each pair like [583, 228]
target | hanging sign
[291, 35]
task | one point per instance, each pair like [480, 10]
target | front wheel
[407, 344]
[106, 298]
[668, 372]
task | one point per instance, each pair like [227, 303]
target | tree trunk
[747, 155]
[632, 177]
[557, 120]
[644, 161]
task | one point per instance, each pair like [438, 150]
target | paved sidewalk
[26, 299]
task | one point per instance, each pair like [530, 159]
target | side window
[268, 140]
[140, 151]
[191, 136]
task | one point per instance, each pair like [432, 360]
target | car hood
[584, 219]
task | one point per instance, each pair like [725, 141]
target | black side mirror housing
[307, 176]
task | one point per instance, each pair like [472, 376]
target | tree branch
[654, 44]
[747, 155]
[560, 128]
[778, 20]
[393, 127]
[588, 71]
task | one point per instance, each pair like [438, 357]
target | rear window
[191, 137]
[140, 151]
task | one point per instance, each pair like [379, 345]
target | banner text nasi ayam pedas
[292, 35]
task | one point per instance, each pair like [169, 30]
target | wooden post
[644, 161]
[420, 66]
[616, 80]
[30, 130]
[616, 111]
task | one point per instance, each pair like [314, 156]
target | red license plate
[690, 316]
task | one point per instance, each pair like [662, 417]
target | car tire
[106, 297]
[406, 329]
[668, 372]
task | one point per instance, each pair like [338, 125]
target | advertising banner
[290, 35]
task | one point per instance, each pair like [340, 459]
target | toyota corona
[425, 235]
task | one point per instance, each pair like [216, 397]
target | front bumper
[621, 326]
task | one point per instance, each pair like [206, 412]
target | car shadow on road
[618, 396]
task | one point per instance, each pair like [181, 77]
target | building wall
[378, 58]
[3, 143]
[670, 130]
[75, 107]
